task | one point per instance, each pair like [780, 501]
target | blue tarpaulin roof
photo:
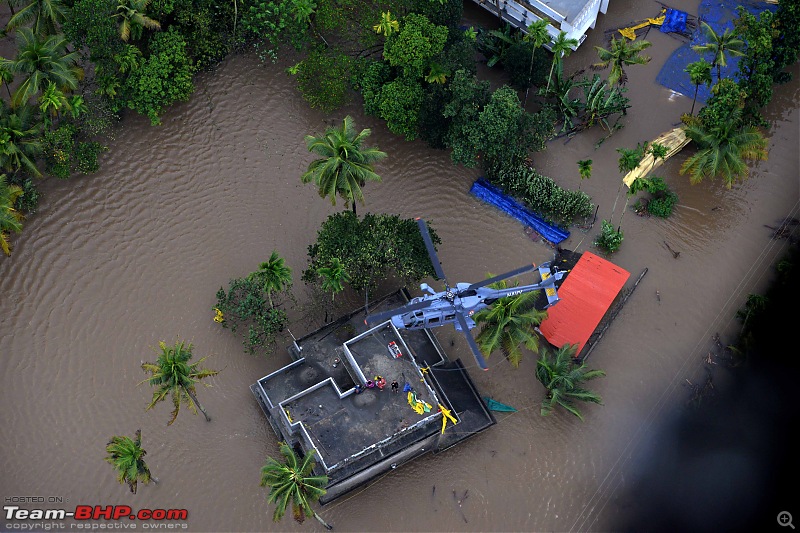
[674, 21]
[492, 195]
[719, 14]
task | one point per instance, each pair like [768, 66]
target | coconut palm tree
[273, 275]
[723, 151]
[509, 324]
[51, 101]
[292, 483]
[6, 76]
[561, 47]
[537, 35]
[44, 17]
[345, 165]
[20, 141]
[720, 46]
[132, 19]
[41, 60]
[585, 170]
[10, 218]
[388, 25]
[700, 74]
[126, 455]
[629, 159]
[563, 379]
[621, 54]
[333, 277]
[172, 375]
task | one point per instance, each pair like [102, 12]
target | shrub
[543, 195]
[323, 78]
[663, 200]
[246, 305]
[86, 156]
[27, 202]
[609, 239]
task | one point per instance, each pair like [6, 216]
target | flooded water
[115, 262]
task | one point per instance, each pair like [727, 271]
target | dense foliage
[246, 305]
[370, 249]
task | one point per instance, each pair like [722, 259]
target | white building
[575, 17]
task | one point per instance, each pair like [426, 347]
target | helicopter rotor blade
[437, 266]
[380, 317]
[471, 341]
[500, 277]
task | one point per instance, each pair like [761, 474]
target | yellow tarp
[674, 140]
[630, 33]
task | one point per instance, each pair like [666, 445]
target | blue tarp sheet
[674, 20]
[492, 195]
[719, 14]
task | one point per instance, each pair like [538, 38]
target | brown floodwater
[115, 262]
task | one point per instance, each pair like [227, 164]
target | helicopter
[456, 305]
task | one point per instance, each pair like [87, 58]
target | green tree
[585, 169]
[20, 139]
[699, 74]
[561, 47]
[757, 66]
[44, 17]
[133, 19]
[621, 54]
[293, 483]
[399, 105]
[723, 151]
[323, 78]
[787, 46]
[371, 249]
[345, 164]
[466, 100]
[173, 375]
[333, 277]
[387, 26]
[508, 324]
[273, 275]
[10, 218]
[40, 61]
[563, 379]
[244, 306]
[163, 78]
[6, 76]
[51, 101]
[538, 36]
[720, 46]
[413, 47]
[629, 159]
[126, 455]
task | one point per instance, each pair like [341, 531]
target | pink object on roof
[586, 294]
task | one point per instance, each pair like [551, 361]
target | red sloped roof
[586, 294]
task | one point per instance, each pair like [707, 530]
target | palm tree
[6, 76]
[273, 275]
[127, 457]
[700, 74]
[537, 35]
[51, 101]
[585, 169]
[42, 60]
[387, 25]
[509, 324]
[563, 378]
[10, 218]
[723, 151]
[345, 165]
[720, 46]
[20, 141]
[621, 54]
[132, 19]
[629, 159]
[638, 185]
[333, 277]
[44, 16]
[173, 375]
[561, 47]
[292, 483]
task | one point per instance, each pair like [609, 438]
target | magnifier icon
[785, 519]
